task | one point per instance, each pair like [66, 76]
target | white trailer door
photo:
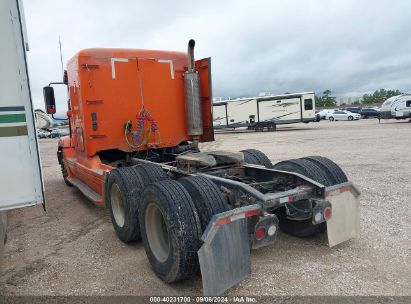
[20, 178]
[308, 107]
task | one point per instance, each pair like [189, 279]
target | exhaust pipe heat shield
[192, 94]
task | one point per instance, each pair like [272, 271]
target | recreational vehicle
[20, 179]
[398, 107]
[264, 112]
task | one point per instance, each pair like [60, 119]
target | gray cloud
[351, 47]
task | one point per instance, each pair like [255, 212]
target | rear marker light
[344, 189]
[252, 213]
[260, 233]
[327, 213]
[234, 217]
[272, 230]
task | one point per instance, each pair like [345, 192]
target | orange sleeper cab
[110, 87]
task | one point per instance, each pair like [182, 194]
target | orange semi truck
[136, 120]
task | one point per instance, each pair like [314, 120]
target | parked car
[57, 133]
[323, 113]
[342, 115]
[42, 133]
[54, 133]
[353, 109]
[370, 112]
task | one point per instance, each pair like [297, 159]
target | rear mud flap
[225, 255]
[344, 223]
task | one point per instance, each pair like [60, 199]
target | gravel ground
[72, 250]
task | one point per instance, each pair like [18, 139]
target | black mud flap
[225, 255]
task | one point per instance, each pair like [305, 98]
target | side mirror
[50, 102]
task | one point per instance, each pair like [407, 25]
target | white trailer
[398, 107]
[21, 181]
[257, 113]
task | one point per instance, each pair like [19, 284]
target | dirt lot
[72, 250]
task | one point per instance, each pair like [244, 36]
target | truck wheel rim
[157, 233]
[117, 205]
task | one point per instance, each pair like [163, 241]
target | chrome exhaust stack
[193, 100]
[190, 53]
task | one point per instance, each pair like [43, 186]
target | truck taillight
[260, 233]
[321, 211]
[265, 230]
[327, 213]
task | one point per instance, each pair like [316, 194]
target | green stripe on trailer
[11, 109]
[10, 118]
[13, 131]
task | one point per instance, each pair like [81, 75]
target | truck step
[87, 191]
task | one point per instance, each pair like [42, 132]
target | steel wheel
[331, 118]
[117, 205]
[157, 233]
[350, 118]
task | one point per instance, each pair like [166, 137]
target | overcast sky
[349, 47]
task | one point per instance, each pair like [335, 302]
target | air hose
[141, 137]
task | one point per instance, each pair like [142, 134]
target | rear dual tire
[320, 169]
[171, 230]
[169, 216]
[173, 216]
[122, 200]
[256, 157]
[206, 196]
[123, 192]
[334, 172]
[306, 168]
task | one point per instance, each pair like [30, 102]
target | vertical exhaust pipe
[193, 101]
[190, 53]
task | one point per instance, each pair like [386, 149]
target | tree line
[378, 97]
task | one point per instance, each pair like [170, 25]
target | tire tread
[131, 184]
[330, 167]
[256, 157]
[206, 196]
[185, 227]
